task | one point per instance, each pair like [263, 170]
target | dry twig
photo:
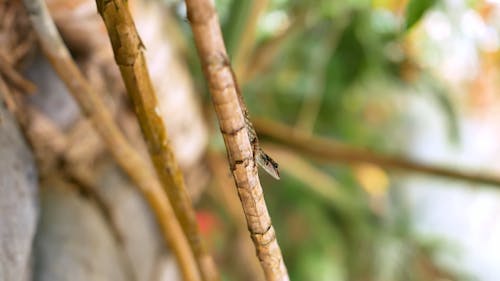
[303, 171]
[330, 150]
[129, 55]
[13, 76]
[225, 196]
[265, 55]
[213, 55]
[93, 107]
[247, 42]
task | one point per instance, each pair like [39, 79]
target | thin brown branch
[329, 150]
[226, 196]
[225, 96]
[247, 42]
[93, 107]
[13, 76]
[129, 55]
[318, 181]
[8, 98]
[265, 55]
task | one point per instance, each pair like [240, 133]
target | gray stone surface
[134, 222]
[52, 97]
[18, 200]
[74, 241]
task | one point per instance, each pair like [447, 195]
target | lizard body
[262, 159]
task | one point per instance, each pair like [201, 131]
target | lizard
[260, 157]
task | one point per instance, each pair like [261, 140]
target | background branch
[265, 55]
[248, 36]
[93, 107]
[329, 150]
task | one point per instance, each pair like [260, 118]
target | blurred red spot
[207, 222]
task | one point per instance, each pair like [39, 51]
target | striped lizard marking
[262, 159]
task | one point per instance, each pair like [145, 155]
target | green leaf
[415, 10]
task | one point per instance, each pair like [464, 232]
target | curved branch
[329, 150]
[129, 56]
[94, 109]
[248, 36]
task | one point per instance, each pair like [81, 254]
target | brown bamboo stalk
[330, 150]
[213, 55]
[93, 108]
[225, 196]
[129, 55]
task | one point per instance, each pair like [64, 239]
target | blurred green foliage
[415, 10]
[337, 75]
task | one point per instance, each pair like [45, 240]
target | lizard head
[268, 164]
